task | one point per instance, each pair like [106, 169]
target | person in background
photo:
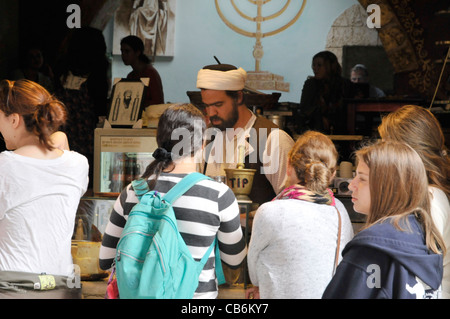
[32, 64]
[398, 254]
[207, 210]
[82, 66]
[297, 238]
[322, 106]
[360, 74]
[82, 84]
[419, 128]
[40, 189]
[132, 49]
[266, 147]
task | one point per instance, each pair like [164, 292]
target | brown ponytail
[185, 117]
[317, 176]
[42, 113]
[314, 159]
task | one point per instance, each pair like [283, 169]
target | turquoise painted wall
[200, 34]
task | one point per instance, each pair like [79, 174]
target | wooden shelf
[346, 137]
[361, 106]
[443, 13]
[443, 42]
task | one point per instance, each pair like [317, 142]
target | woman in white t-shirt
[419, 128]
[40, 189]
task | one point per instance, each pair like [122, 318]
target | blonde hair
[314, 159]
[399, 187]
[42, 113]
[419, 128]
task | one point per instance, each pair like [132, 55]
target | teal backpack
[152, 259]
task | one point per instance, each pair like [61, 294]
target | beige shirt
[225, 153]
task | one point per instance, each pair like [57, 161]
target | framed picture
[126, 102]
[151, 20]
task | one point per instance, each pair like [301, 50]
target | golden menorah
[258, 51]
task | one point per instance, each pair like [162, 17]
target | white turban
[233, 80]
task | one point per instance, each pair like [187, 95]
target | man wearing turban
[265, 146]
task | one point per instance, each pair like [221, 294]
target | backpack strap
[183, 186]
[208, 252]
[219, 270]
[140, 186]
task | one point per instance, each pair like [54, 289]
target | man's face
[221, 109]
[358, 77]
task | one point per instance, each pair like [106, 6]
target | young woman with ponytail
[206, 210]
[297, 238]
[40, 189]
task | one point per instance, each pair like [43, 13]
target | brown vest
[262, 190]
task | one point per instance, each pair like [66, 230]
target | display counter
[120, 156]
[97, 290]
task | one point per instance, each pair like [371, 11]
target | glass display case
[120, 156]
[94, 213]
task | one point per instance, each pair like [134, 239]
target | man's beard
[229, 123]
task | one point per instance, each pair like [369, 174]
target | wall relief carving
[402, 36]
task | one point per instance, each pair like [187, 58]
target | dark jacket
[382, 262]
[322, 107]
[262, 190]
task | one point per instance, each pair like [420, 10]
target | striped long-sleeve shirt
[207, 209]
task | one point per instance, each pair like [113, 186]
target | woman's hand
[252, 293]
[59, 140]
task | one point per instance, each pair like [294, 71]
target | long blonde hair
[314, 159]
[419, 128]
[399, 187]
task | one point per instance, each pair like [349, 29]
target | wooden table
[373, 106]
